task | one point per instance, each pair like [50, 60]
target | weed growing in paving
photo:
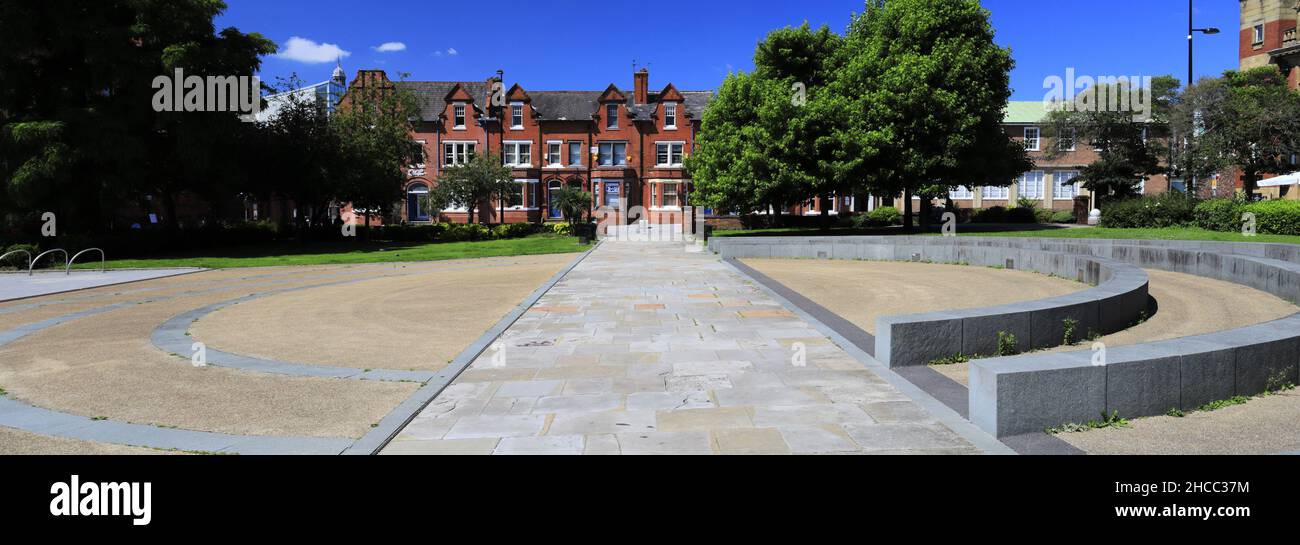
[1007, 344]
[953, 360]
[1070, 325]
[1113, 420]
[1175, 412]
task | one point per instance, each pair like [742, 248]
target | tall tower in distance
[1268, 36]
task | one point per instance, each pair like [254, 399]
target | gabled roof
[432, 95]
[613, 94]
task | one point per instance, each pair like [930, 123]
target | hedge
[1172, 209]
[1276, 217]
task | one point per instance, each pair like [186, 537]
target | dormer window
[670, 116]
[458, 115]
[611, 116]
[517, 115]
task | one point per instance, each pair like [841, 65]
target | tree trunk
[827, 204]
[907, 209]
[927, 207]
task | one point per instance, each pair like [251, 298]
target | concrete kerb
[397, 419]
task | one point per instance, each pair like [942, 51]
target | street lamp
[1191, 75]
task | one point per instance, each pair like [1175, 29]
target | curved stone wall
[1029, 393]
[1117, 301]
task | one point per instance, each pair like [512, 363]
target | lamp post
[1191, 75]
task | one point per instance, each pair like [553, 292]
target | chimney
[642, 81]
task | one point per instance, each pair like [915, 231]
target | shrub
[880, 217]
[997, 214]
[1022, 214]
[1064, 216]
[1275, 217]
[562, 229]
[1171, 209]
[1219, 215]
[18, 261]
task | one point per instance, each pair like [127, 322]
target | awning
[1290, 179]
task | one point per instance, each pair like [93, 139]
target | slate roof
[431, 95]
[550, 105]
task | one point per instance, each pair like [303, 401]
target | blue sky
[573, 44]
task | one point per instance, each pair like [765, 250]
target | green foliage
[574, 205]
[951, 360]
[1171, 209]
[1001, 214]
[1111, 420]
[1063, 216]
[1071, 325]
[1218, 215]
[1007, 344]
[1248, 120]
[562, 229]
[1276, 217]
[19, 261]
[1175, 412]
[880, 217]
[1224, 403]
[471, 185]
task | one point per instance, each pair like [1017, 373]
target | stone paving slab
[647, 349]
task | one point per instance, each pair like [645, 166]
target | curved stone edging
[1118, 300]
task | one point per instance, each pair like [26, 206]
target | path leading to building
[645, 348]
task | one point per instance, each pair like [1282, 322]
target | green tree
[472, 185]
[574, 205]
[924, 88]
[1129, 147]
[373, 131]
[1247, 120]
[763, 141]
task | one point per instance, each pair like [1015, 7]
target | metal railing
[29, 256]
[31, 265]
[103, 260]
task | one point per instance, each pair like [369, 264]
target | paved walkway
[645, 348]
[20, 286]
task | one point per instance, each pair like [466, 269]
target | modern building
[1268, 36]
[624, 147]
[327, 93]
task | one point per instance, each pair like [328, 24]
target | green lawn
[348, 253]
[1042, 231]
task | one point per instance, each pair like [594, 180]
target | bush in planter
[1171, 209]
[880, 217]
[1219, 215]
[1276, 217]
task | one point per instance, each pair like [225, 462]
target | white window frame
[512, 153]
[462, 151]
[1037, 139]
[995, 193]
[611, 121]
[619, 161]
[525, 185]
[558, 153]
[1259, 34]
[679, 156]
[1038, 185]
[459, 115]
[1059, 185]
[962, 193]
[670, 115]
[516, 111]
[1073, 140]
[569, 150]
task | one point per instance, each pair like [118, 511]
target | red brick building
[624, 147]
[1268, 36]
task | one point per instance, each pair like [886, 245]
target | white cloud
[452, 51]
[303, 50]
[390, 47]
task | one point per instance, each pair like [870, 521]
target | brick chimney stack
[642, 81]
